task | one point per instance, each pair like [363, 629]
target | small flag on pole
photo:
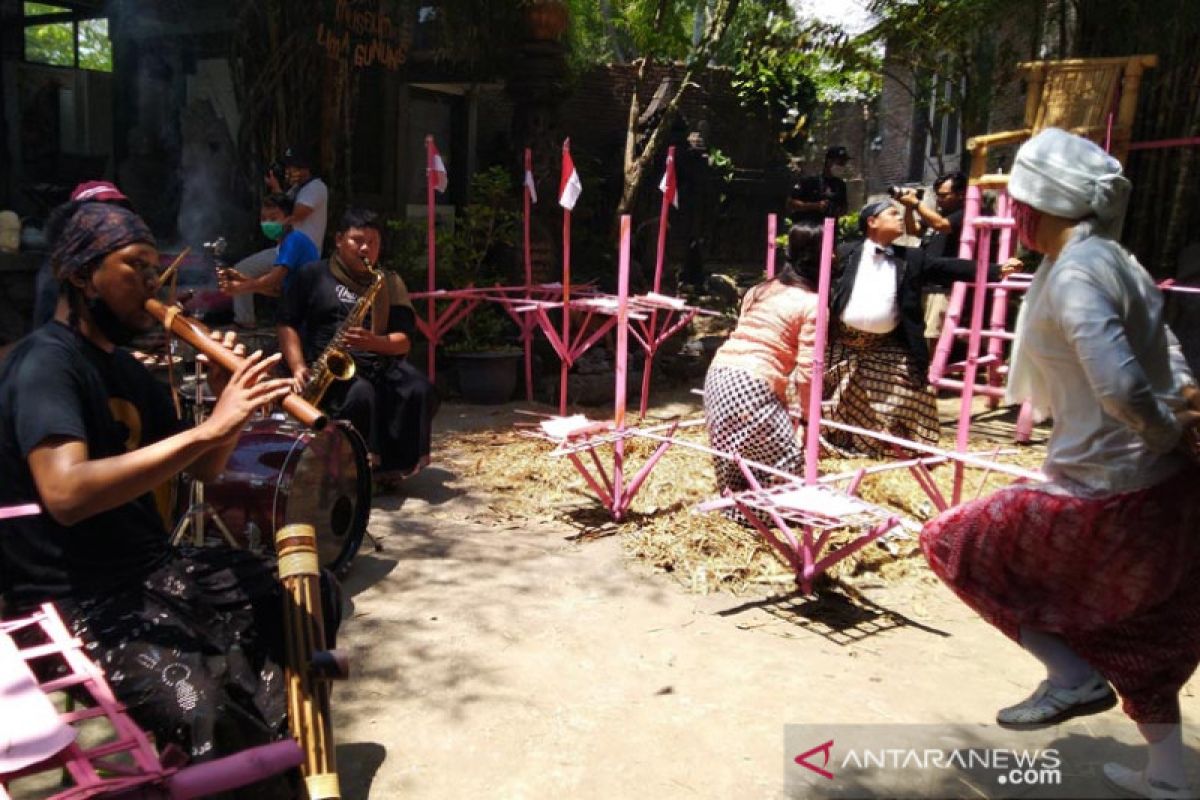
[570, 187]
[438, 171]
[667, 185]
[529, 184]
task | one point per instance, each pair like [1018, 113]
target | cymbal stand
[198, 512]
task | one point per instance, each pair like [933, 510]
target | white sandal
[1049, 704]
[1136, 783]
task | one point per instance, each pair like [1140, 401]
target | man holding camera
[816, 197]
[939, 229]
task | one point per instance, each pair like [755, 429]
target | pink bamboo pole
[619, 402]
[772, 223]
[431, 248]
[972, 365]
[812, 433]
[663, 215]
[660, 257]
[966, 241]
[566, 298]
[527, 321]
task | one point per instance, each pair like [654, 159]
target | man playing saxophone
[387, 400]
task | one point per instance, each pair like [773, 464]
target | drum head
[330, 489]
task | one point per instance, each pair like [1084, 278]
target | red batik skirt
[1118, 578]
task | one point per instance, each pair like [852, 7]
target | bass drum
[282, 473]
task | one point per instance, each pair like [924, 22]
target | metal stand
[198, 512]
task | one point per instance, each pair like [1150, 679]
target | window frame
[71, 14]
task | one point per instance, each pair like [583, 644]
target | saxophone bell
[340, 364]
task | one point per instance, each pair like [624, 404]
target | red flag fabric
[667, 185]
[437, 172]
[570, 187]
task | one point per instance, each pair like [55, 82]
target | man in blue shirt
[253, 275]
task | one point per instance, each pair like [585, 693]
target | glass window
[57, 36]
[95, 48]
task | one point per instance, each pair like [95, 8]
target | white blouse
[1101, 357]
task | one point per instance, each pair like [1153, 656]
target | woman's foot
[1049, 704]
[1136, 783]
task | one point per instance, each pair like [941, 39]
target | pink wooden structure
[576, 436]
[37, 738]
[962, 377]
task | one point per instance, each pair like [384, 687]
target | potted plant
[485, 356]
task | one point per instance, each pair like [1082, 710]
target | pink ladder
[976, 243]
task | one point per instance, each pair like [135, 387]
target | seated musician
[269, 275]
[388, 400]
[190, 639]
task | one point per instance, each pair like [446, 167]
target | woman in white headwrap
[1097, 572]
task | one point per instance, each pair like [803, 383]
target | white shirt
[872, 304]
[1097, 352]
[315, 195]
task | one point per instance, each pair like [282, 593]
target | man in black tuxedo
[878, 358]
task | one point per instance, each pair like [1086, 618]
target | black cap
[296, 157]
[837, 153]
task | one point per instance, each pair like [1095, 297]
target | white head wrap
[1068, 176]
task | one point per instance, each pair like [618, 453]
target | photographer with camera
[816, 197]
[939, 229]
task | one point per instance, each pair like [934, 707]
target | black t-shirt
[816, 188]
[55, 383]
[315, 305]
[944, 245]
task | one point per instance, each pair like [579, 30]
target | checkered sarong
[746, 418]
[869, 385]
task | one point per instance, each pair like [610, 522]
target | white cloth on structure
[252, 266]
[1092, 347]
[1068, 176]
[315, 195]
[872, 304]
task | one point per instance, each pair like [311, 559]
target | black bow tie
[887, 251]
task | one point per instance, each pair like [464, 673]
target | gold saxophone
[335, 363]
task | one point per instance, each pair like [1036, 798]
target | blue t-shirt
[295, 250]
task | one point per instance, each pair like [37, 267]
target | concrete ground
[514, 662]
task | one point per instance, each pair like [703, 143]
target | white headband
[1068, 176]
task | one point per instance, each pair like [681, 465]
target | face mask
[272, 230]
[109, 324]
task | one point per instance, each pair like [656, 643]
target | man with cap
[46, 287]
[1095, 573]
[189, 638]
[820, 196]
[876, 378]
[309, 194]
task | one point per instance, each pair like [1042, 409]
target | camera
[894, 192]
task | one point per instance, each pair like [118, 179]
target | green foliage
[771, 77]
[487, 329]
[477, 252]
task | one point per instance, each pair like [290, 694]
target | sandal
[1136, 783]
[1049, 704]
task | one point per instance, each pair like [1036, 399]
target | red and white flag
[570, 187]
[437, 170]
[529, 184]
[667, 184]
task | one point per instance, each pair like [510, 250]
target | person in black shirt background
[191, 639]
[939, 229]
[819, 196]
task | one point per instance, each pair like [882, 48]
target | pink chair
[35, 738]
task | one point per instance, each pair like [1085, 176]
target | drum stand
[199, 511]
